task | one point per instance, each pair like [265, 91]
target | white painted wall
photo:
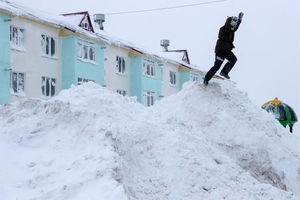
[113, 80]
[167, 88]
[31, 61]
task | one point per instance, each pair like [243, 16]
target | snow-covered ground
[90, 143]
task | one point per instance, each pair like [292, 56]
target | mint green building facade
[184, 77]
[140, 83]
[74, 67]
[4, 59]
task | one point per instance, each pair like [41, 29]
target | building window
[121, 67]
[17, 37]
[48, 86]
[194, 77]
[48, 45]
[86, 51]
[173, 78]
[149, 98]
[83, 80]
[149, 68]
[17, 83]
[85, 25]
[122, 92]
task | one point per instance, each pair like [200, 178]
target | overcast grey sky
[267, 43]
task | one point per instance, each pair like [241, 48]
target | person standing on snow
[224, 48]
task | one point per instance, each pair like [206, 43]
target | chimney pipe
[99, 19]
[165, 44]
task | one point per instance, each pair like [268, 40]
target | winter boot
[205, 82]
[225, 75]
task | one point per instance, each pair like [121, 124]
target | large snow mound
[202, 143]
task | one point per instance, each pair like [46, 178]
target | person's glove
[241, 14]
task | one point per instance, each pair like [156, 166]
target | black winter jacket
[226, 37]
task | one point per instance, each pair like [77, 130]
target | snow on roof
[173, 55]
[18, 9]
[79, 18]
[176, 58]
[75, 19]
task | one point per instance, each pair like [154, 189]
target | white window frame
[121, 65]
[83, 80]
[149, 68]
[149, 98]
[20, 86]
[173, 78]
[48, 50]
[44, 90]
[17, 38]
[85, 24]
[122, 92]
[86, 51]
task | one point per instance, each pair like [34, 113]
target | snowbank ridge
[202, 143]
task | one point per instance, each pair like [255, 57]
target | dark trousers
[219, 61]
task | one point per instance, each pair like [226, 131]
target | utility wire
[166, 8]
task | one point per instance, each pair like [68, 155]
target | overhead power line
[166, 8]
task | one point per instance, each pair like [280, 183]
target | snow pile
[60, 149]
[90, 143]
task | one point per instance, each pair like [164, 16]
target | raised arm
[241, 15]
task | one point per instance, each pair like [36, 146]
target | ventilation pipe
[99, 19]
[165, 44]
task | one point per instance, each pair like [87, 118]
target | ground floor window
[48, 86]
[194, 77]
[122, 92]
[149, 98]
[83, 80]
[17, 83]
